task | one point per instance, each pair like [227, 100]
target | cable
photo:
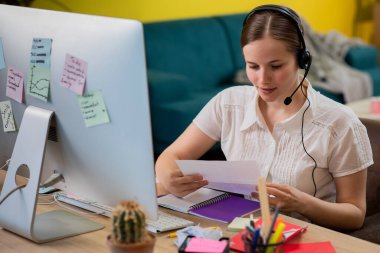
[303, 143]
[11, 192]
[5, 165]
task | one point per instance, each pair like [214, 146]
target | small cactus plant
[128, 223]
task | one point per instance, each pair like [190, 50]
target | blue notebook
[210, 204]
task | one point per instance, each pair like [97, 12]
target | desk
[95, 241]
[362, 108]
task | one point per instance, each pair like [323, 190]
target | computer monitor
[107, 162]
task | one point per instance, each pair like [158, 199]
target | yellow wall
[323, 15]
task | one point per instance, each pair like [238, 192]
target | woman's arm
[190, 145]
[347, 213]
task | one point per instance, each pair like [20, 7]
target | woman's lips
[267, 90]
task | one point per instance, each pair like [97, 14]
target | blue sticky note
[41, 52]
[2, 61]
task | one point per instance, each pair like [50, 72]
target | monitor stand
[18, 211]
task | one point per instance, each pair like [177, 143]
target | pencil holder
[259, 247]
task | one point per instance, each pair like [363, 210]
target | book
[210, 204]
[290, 231]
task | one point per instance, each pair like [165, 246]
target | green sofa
[189, 61]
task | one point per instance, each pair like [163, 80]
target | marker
[276, 236]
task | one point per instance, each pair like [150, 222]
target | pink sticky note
[375, 106]
[74, 74]
[15, 84]
[205, 245]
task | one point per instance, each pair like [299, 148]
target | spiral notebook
[210, 204]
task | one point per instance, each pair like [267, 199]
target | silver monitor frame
[106, 163]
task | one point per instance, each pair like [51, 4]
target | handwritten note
[7, 116]
[2, 61]
[205, 245]
[74, 74]
[15, 84]
[38, 83]
[41, 52]
[93, 109]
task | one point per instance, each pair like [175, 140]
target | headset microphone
[288, 100]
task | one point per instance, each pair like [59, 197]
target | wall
[323, 15]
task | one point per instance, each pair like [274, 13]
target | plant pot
[141, 247]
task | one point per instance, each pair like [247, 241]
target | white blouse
[333, 136]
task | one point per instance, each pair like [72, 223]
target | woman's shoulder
[334, 112]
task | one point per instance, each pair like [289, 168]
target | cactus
[128, 222]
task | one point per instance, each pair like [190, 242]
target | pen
[174, 234]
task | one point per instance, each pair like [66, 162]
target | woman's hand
[286, 197]
[181, 185]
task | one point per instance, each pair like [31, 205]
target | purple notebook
[226, 209]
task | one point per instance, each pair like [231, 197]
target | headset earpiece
[304, 58]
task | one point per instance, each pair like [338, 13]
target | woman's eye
[276, 66]
[254, 67]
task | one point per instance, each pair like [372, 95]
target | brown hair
[274, 24]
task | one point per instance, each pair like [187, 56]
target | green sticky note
[93, 109]
[38, 84]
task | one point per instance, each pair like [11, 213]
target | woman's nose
[265, 75]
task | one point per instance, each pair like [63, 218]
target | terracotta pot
[141, 247]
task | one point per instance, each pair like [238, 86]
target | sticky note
[15, 84]
[41, 52]
[38, 84]
[2, 60]
[93, 109]
[7, 116]
[74, 74]
[205, 245]
[238, 224]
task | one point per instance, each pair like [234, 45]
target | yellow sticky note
[238, 224]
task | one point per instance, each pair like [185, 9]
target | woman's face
[271, 68]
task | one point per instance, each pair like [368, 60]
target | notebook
[290, 231]
[210, 204]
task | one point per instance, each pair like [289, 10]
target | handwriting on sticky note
[93, 109]
[41, 52]
[38, 84]
[15, 84]
[2, 60]
[74, 74]
[7, 116]
[205, 245]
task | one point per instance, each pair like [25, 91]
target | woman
[313, 151]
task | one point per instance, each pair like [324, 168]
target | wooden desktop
[95, 241]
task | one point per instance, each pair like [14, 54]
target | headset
[304, 60]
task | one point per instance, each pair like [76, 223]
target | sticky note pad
[93, 109]
[2, 60]
[15, 84]
[7, 116]
[205, 245]
[74, 74]
[238, 224]
[38, 84]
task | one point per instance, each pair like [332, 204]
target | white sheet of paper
[231, 176]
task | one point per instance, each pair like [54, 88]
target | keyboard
[165, 222]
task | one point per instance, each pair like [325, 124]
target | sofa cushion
[362, 57]
[233, 25]
[196, 48]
